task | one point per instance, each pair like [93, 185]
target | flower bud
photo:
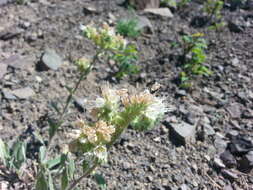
[83, 65]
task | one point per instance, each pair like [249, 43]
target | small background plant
[174, 3]
[213, 8]
[193, 58]
[115, 47]
[128, 28]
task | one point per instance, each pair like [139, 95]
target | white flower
[101, 153]
[156, 109]
[74, 134]
[110, 95]
[99, 102]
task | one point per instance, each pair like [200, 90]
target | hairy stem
[87, 173]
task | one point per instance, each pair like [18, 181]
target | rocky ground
[205, 141]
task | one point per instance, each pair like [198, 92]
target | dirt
[150, 160]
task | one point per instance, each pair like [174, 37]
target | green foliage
[193, 57]
[213, 9]
[126, 60]
[175, 3]
[169, 3]
[13, 157]
[100, 180]
[128, 28]
[217, 26]
[114, 46]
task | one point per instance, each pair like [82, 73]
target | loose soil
[150, 160]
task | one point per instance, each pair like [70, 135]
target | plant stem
[74, 184]
[70, 97]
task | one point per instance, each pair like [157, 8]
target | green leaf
[71, 168]
[69, 89]
[41, 183]
[100, 181]
[4, 152]
[64, 180]
[53, 126]
[55, 106]
[19, 153]
[85, 165]
[53, 162]
[42, 154]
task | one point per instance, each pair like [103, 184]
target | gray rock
[235, 26]
[19, 62]
[218, 163]
[235, 62]
[140, 4]
[247, 114]
[229, 174]
[144, 25]
[183, 132]
[220, 144]
[8, 95]
[23, 93]
[181, 93]
[51, 59]
[80, 103]
[2, 2]
[164, 12]
[234, 110]
[232, 133]
[208, 129]
[3, 69]
[184, 187]
[228, 159]
[228, 187]
[87, 9]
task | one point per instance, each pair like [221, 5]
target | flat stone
[228, 159]
[235, 62]
[3, 69]
[140, 4]
[164, 12]
[8, 95]
[218, 163]
[144, 25]
[87, 9]
[19, 62]
[220, 144]
[240, 145]
[234, 110]
[229, 174]
[228, 187]
[51, 60]
[184, 187]
[183, 132]
[23, 93]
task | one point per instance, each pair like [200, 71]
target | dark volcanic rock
[228, 159]
[182, 133]
[240, 145]
[246, 163]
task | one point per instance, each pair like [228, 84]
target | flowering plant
[114, 111]
[115, 47]
[89, 142]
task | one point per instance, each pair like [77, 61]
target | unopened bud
[83, 64]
